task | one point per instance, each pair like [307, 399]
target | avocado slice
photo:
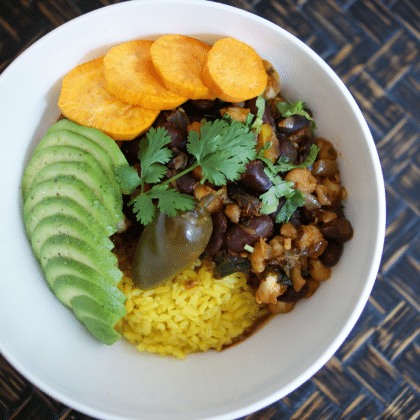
[62, 245]
[83, 305]
[68, 138]
[101, 331]
[71, 187]
[72, 204]
[95, 135]
[57, 224]
[59, 266]
[67, 207]
[54, 154]
[95, 179]
[97, 319]
[67, 286]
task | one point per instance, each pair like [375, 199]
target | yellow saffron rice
[191, 313]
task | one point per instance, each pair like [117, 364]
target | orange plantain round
[85, 100]
[131, 77]
[233, 71]
[179, 61]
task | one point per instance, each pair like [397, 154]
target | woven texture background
[374, 46]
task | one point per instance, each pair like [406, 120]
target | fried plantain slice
[131, 77]
[233, 71]
[179, 61]
[85, 100]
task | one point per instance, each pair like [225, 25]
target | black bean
[178, 135]
[292, 124]
[255, 177]
[295, 218]
[131, 150]
[267, 117]
[309, 216]
[332, 253]
[185, 184]
[339, 229]
[287, 149]
[179, 119]
[248, 233]
[261, 226]
[290, 295]
[204, 108]
[203, 104]
[305, 148]
[219, 229]
[237, 237]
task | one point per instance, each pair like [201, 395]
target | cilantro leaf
[270, 199]
[258, 121]
[283, 165]
[207, 142]
[171, 201]
[222, 149]
[127, 177]
[281, 188]
[144, 208]
[287, 109]
[154, 173]
[294, 200]
[153, 155]
[239, 142]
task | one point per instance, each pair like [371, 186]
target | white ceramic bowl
[48, 346]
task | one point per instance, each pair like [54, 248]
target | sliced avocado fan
[72, 205]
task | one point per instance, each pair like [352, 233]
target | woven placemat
[374, 46]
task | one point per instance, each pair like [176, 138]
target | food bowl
[42, 339]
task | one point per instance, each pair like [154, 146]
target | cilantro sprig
[222, 150]
[281, 188]
[153, 155]
[287, 109]
[256, 123]
[283, 164]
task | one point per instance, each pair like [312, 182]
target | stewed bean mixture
[284, 262]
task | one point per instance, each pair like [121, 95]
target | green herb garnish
[222, 149]
[283, 164]
[270, 199]
[287, 109]
[281, 188]
[260, 104]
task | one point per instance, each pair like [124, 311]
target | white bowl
[49, 347]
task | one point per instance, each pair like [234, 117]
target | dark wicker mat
[374, 46]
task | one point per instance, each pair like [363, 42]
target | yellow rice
[191, 313]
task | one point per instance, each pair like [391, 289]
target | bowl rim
[376, 256]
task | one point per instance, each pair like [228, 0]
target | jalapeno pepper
[170, 244]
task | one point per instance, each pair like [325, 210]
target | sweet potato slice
[131, 77]
[179, 61]
[234, 71]
[85, 100]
